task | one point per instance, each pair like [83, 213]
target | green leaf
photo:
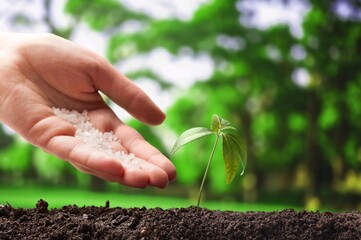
[242, 150]
[224, 123]
[234, 153]
[226, 128]
[189, 136]
[218, 123]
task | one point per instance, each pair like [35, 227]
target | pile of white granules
[85, 131]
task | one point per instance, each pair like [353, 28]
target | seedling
[233, 148]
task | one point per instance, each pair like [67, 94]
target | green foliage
[234, 150]
[297, 122]
[48, 167]
[5, 140]
[16, 158]
[188, 163]
[101, 14]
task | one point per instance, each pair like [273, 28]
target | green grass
[26, 197]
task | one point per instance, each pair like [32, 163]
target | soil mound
[72, 222]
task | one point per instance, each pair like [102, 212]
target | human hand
[41, 71]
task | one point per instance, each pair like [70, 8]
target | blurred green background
[285, 73]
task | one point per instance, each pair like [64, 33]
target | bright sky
[161, 9]
[181, 70]
[272, 12]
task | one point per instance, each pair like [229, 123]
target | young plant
[233, 148]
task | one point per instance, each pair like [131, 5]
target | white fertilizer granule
[85, 131]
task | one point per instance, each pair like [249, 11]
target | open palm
[41, 71]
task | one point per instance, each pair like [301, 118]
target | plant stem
[206, 172]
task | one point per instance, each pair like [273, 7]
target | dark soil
[72, 222]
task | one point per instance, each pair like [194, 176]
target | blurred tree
[5, 139]
[301, 133]
[238, 90]
[15, 161]
[332, 43]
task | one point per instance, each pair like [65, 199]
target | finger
[90, 160]
[60, 141]
[138, 175]
[158, 177]
[132, 177]
[75, 151]
[135, 143]
[90, 172]
[126, 94]
[105, 120]
[56, 136]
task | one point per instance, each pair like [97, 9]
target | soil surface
[72, 222]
